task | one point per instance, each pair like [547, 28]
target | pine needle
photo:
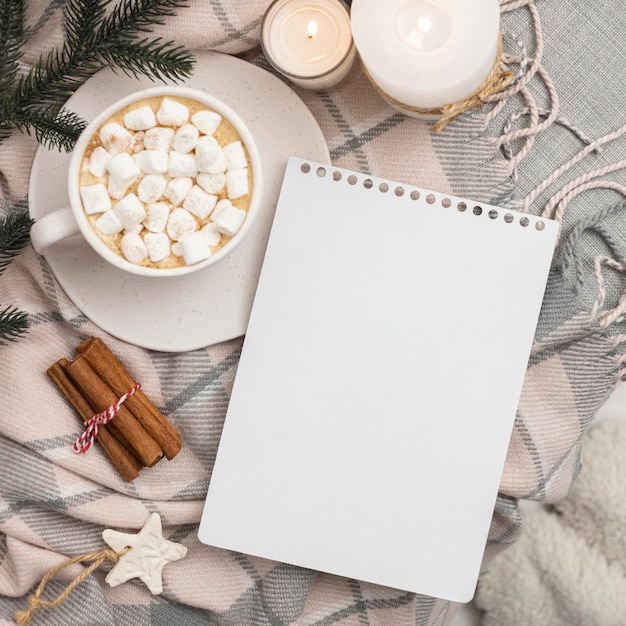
[13, 325]
[51, 128]
[158, 59]
[14, 236]
[135, 16]
[12, 40]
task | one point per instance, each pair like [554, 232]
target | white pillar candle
[426, 53]
[309, 41]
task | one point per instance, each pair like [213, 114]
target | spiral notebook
[378, 383]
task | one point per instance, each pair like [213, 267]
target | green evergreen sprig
[12, 40]
[14, 236]
[96, 36]
[13, 325]
[50, 126]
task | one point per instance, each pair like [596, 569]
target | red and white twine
[85, 441]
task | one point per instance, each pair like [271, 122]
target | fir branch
[6, 128]
[52, 128]
[94, 39]
[85, 52]
[134, 16]
[54, 77]
[158, 59]
[82, 20]
[12, 40]
[14, 236]
[13, 324]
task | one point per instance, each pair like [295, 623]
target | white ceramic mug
[58, 227]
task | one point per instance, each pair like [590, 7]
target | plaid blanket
[54, 505]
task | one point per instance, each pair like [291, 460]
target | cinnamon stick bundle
[111, 371]
[139, 435]
[101, 396]
[125, 462]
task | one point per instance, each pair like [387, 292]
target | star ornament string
[87, 438]
[142, 556]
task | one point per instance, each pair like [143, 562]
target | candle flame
[311, 29]
[424, 24]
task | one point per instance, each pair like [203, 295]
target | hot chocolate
[166, 182]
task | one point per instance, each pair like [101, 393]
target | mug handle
[53, 228]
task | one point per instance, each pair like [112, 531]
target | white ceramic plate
[212, 305]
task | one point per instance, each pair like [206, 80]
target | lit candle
[309, 41]
[424, 54]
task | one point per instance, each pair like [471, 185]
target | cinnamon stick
[113, 373]
[124, 461]
[100, 396]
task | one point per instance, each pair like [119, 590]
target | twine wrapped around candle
[497, 80]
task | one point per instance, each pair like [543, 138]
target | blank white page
[378, 383]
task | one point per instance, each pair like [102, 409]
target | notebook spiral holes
[399, 191]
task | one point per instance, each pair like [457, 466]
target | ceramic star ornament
[149, 553]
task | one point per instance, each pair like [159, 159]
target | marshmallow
[211, 234]
[157, 245]
[142, 118]
[210, 157]
[157, 214]
[237, 183]
[227, 218]
[133, 248]
[136, 144]
[180, 223]
[98, 162]
[176, 249]
[172, 113]
[95, 198]
[182, 165]
[211, 183]
[177, 189]
[109, 224]
[151, 187]
[186, 138]
[206, 121]
[152, 161]
[115, 138]
[194, 248]
[116, 191]
[159, 139]
[123, 169]
[130, 211]
[199, 202]
[136, 230]
[208, 139]
[235, 156]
